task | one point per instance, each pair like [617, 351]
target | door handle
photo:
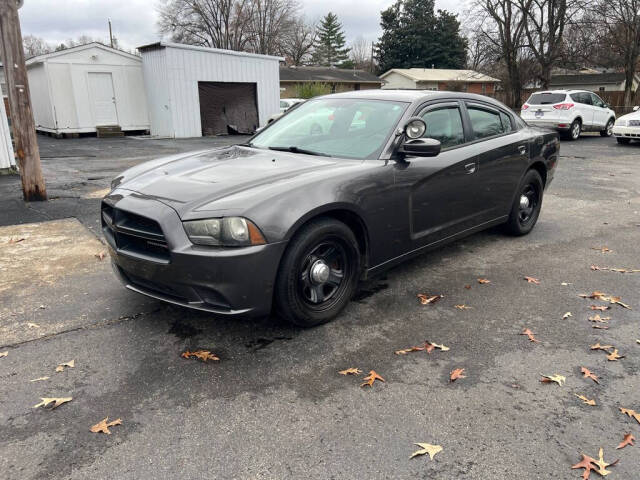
[522, 149]
[470, 168]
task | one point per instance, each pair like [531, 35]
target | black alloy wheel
[526, 205]
[318, 274]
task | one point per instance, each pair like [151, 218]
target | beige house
[595, 82]
[439, 79]
[338, 79]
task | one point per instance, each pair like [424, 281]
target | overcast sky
[134, 21]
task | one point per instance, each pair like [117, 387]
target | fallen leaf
[4, 354]
[586, 400]
[468, 287]
[601, 308]
[530, 334]
[32, 325]
[56, 402]
[456, 374]
[70, 364]
[559, 379]
[602, 465]
[585, 463]
[462, 307]
[16, 240]
[483, 281]
[404, 351]
[638, 341]
[602, 249]
[613, 356]
[623, 305]
[429, 347]
[350, 371]
[593, 295]
[614, 269]
[440, 347]
[426, 299]
[372, 377]
[598, 318]
[103, 426]
[564, 284]
[567, 315]
[627, 440]
[631, 413]
[203, 355]
[606, 348]
[600, 327]
[532, 280]
[588, 374]
[39, 379]
[426, 448]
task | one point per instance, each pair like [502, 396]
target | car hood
[630, 116]
[203, 181]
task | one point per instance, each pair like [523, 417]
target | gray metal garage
[195, 91]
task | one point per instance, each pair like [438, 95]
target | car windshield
[336, 127]
[546, 98]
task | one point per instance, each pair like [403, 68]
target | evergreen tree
[329, 48]
[413, 35]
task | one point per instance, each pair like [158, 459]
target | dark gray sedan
[341, 188]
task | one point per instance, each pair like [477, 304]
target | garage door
[227, 107]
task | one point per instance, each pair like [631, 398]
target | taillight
[525, 106]
[564, 106]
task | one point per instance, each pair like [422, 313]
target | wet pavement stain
[369, 291]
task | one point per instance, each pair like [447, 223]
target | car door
[585, 109]
[502, 153]
[600, 113]
[440, 192]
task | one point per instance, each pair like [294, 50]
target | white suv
[570, 112]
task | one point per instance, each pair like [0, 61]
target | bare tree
[298, 43]
[208, 23]
[502, 23]
[544, 26]
[270, 23]
[618, 23]
[360, 53]
[35, 46]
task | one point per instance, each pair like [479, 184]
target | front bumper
[626, 132]
[224, 281]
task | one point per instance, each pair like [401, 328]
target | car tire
[623, 141]
[574, 130]
[608, 130]
[524, 214]
[306, 294]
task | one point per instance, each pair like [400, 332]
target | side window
[485, 123]
[506, 122]
[585, 98]
[576, 97]
[597, 101]
[444, 125]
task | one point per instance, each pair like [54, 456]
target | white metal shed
[88, 86]
[7, 157]
[195, 91]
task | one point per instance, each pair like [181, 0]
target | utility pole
[24, 129]
[110, 33]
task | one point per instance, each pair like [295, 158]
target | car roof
[413, 96]
[562, 91]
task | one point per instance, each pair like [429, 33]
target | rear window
[546, 98]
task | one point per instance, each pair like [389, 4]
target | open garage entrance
[228, 108]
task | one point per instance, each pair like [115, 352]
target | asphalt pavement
[274, 406]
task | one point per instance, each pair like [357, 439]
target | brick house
[439, 79]
[338, 79]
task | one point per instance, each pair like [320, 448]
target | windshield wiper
[303, 151]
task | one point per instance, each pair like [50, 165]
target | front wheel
[608, 130]
[318, 274]
[623, 141]
[526, 206]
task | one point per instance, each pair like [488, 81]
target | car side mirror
[636, 108]
[421, 147]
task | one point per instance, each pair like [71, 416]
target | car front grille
[134, 234]
[634, 123]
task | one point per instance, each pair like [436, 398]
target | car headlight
[227, 232]
[621, 122]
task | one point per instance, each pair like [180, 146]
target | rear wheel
[526, 206]
[574, 130]
[608, 130]
[318, 274]
[623, 141]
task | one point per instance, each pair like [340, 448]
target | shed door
[227, 107]
[103, 100]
